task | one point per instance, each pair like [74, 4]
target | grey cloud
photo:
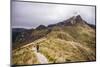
[28, 15]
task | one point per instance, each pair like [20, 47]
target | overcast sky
[31, 15]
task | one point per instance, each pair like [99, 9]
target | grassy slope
[69, 44]
[24, 56]
[62, 44]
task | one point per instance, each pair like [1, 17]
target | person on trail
[37, 47]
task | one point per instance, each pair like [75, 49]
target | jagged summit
[73, 20]
[78, 17]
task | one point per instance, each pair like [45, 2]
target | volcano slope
[72, 40]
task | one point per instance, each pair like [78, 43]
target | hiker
[37, 47]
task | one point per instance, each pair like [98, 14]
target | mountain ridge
[72, 40]
[72, 21]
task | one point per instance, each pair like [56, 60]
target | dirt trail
[41, 58]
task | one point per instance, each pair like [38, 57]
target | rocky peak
[75, 20]
[78, 18]
[71, 21]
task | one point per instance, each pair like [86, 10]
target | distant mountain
[18, 29]
[41, 27]
[68, 41]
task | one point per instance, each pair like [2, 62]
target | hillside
[68, 41]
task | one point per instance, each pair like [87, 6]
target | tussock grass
[24, 56]
[57, 50]
[69, 44]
